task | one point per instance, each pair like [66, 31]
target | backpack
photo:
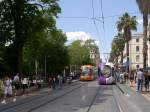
[16, 80]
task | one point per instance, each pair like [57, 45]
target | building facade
[135, 52]
[148, 46]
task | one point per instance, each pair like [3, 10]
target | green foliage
[80, 54]
[91, 46]
[52, 47]
[21, 22]
[117, 46]
[127, 23]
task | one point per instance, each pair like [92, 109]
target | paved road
[80, 97]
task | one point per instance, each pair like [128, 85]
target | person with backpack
[16, 82]
[7, 83]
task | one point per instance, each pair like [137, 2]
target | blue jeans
[140, 83]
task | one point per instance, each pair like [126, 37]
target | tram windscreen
[85, 71]
[106, 71]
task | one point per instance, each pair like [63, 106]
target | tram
[87, 73]
[106, 76]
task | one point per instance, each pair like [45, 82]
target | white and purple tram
[106, 76]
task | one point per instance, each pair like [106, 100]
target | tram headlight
[82, 76]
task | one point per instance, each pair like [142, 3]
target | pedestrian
[131, 75]
[16, 82]
[7, 83]
[140, 77]
[121, 78]
[24, 85]
[50, 81]
[135, 77]
[39, 83]
[146, 75]
[126, 76]
[60, 81]
[54, 83]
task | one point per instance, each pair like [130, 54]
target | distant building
[135, 52]
[148, 45]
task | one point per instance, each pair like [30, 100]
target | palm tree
[144, 7]
[120, 41]
[115, 50]
[127, 23]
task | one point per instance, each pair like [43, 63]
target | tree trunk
[122, 58]
[117, 62]
[127, 63]
[19, 60]
[145, 24]
[17, 42]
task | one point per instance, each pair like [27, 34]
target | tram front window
[85, 71]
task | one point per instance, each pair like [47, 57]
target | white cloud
[79, 35]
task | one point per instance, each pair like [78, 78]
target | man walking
[140, 77]
[16, 82]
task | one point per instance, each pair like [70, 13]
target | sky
[76, 20]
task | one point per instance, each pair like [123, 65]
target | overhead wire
[96, 18]
[103, 21]
[97, 30]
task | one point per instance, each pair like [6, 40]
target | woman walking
[131, 78]
[7, 88]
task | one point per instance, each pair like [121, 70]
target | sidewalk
[32, 91]
[143, 93]
[28, 92]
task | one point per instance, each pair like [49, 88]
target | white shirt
[140, 75]
[25, 81]
[16, 78]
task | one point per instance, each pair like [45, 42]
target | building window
[137, 66]
[137, 40]
[137, 48]
[137, 58]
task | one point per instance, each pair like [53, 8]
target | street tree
[126, 23]
[90, 44]
[120, 42]
[50, 51]
[144, 7]
[115, 50]
[21, 19]
[78, 54]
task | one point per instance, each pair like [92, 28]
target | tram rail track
[26, 101]
[93, 100]
[117, 103]
[52, 99]
[97, 94]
